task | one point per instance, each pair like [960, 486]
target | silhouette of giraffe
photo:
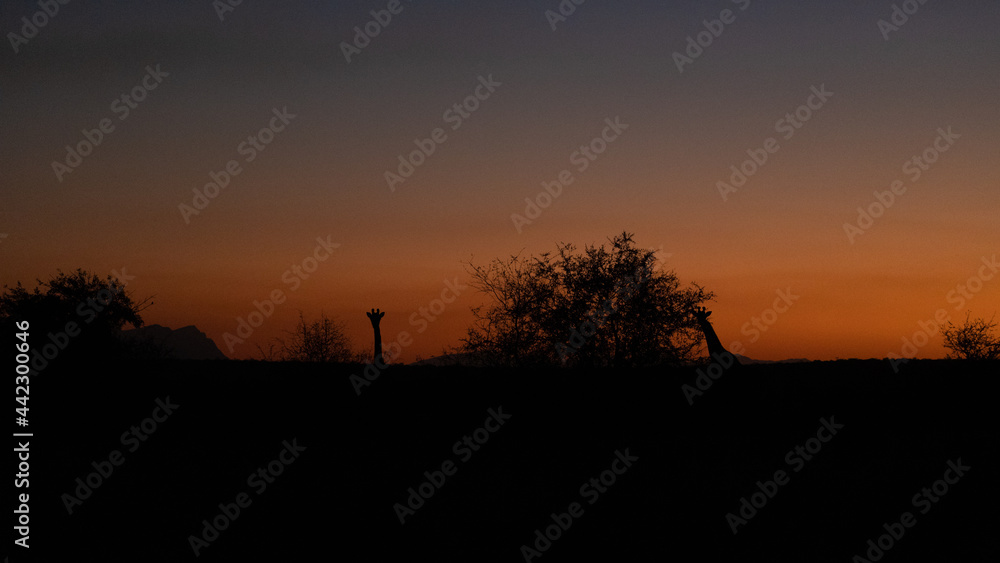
[375, 317]
[715, 347]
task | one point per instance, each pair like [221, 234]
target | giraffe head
[701, 315]
[375, 316]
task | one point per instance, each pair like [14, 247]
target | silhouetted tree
[602, 307]
[272, 353]
[324, 340]
[510, 331]
[74, 315]
[363, 356]
[973, 340]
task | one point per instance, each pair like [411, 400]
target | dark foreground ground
[691, 464]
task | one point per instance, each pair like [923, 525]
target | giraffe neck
[377, 350]
[714, 344]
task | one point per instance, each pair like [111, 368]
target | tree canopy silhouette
[973, 340]
[73, 315]
[603, 307]
[324, 340]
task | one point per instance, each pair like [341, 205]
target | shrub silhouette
[973, 340]
[603, 307]
[68, 303]
[323, 340]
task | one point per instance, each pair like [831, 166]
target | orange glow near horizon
[323, 175]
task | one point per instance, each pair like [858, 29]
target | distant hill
[460, 359]
[187, 343]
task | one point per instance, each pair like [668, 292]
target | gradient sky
[323, 175]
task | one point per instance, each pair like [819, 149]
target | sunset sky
[208, 79]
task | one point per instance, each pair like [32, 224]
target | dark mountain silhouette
[465, 359]
[186, 343]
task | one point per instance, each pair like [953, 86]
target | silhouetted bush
[602, 307]
[324, 340]
[74, 315]
[973, 340]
